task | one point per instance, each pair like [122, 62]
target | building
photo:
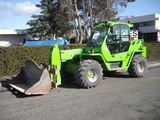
[16, 37]
[12, 37]
[148, 26]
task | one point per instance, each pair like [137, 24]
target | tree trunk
[79, 25]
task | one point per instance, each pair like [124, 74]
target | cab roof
[110, 23]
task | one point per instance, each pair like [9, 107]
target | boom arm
[55, 64]
[57, 57]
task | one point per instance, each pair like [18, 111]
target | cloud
[4, 4]
[25, 8]
[11, 9]
[5, 9]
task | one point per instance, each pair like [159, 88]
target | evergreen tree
[52, 22]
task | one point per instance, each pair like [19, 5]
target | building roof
[12, 31]
[142, 18]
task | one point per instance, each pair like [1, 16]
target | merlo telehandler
[112, 46]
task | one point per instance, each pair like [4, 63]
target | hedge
[13, 58]
[153, 51]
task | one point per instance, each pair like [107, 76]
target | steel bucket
[32, 79]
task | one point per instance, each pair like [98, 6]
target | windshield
[97, 36]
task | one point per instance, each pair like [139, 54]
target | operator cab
[118, 38]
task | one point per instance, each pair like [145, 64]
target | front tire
[138, 66]
[89, 74]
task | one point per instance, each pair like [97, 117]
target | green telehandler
[112, 46]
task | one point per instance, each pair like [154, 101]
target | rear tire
[89, 74]
[138, 66]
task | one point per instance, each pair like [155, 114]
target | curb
[4, 82]
[153, 65]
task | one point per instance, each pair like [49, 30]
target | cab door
[118, 43]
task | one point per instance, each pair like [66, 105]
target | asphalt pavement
[117, 97]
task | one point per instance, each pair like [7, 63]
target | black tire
[138, 66]
[89, 74]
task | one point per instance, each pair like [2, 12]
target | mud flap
[32, 80]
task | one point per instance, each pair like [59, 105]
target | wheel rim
[140, 67]
[92, 76]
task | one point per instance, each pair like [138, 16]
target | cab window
[118, 39]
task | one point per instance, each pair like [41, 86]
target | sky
[14, 14]
[141, 7]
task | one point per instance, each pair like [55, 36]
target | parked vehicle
[111, 47]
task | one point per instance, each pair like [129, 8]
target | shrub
[13, 58]
[153, 51]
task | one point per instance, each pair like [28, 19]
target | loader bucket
[32, 80]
